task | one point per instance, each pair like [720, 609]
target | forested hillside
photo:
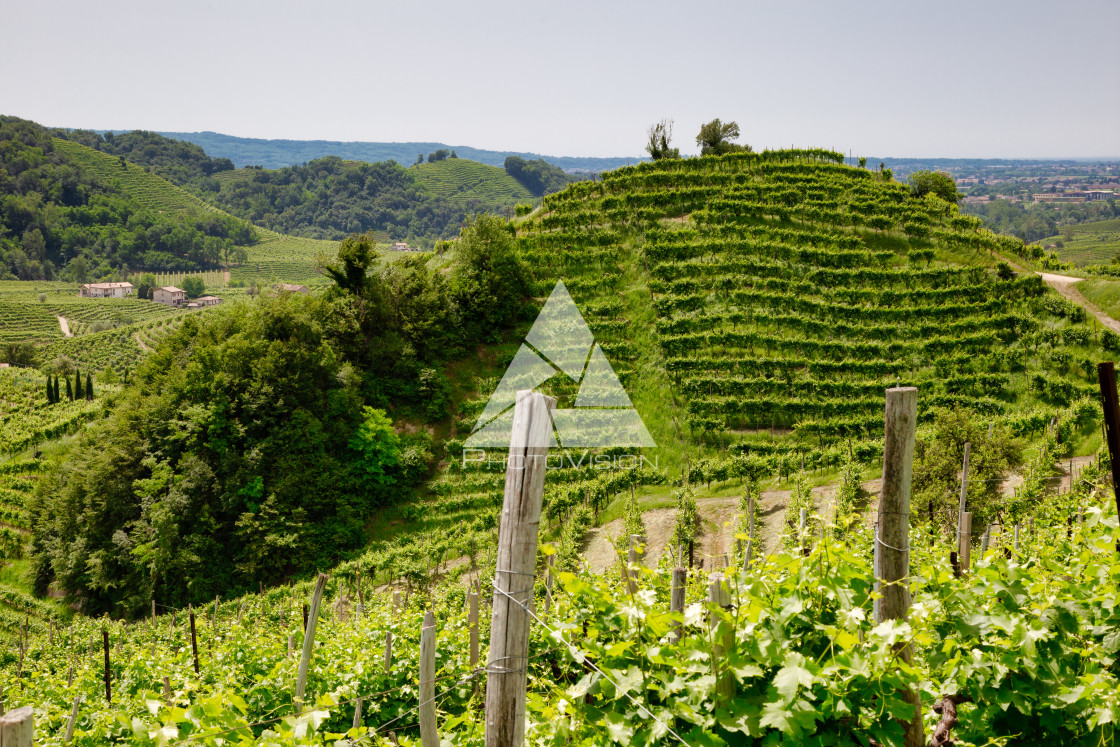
[60, 217]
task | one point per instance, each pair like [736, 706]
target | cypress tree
[78, 385]
[89, 386]
[57, 396]
[50, 391]
[69, 390]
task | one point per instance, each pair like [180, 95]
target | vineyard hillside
[462, 180]
[755, 308]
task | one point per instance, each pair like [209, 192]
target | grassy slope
[460, 179]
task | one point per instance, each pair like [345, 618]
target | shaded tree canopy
[715, 138]
[935, 183]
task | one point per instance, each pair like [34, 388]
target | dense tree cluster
[715, 138]
[331, 198]
[256, 442]
[56, 219]
[936, 183]
[538, 176]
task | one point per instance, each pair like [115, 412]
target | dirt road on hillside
[1067, 286]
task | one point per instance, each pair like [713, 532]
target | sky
[952, 78]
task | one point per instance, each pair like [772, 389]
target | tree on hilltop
[715, 138]
[935, 182]
[660, 135]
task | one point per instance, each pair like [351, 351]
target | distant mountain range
[274, 154]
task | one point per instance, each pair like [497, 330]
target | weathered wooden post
[964, 549]
[472, 623]
[676, 601]
[719, 596]
[514, 570]
[70, 722]
[17, 728]
[892, 528]
[108, 674]
[357, 712]
[309, 639]
[1016, 537]
[429, 735]
[985, 540]
[194, 639]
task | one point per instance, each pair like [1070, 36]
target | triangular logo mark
[603, 415]
[600, 386]
[561, 334]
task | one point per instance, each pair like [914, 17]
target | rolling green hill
[463, 181]
[755, 307]
[151, 191]
[1094, 243]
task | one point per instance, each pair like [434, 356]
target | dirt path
[144, 347]
[1067, 286]
[65, 325]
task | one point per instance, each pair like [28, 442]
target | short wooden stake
[964, 548]
[1016, 536]
[719, 596]
[108, 675]
[676, 601]
[472, 623]
[357, 713]
[194, 640]
[985, 541]
[429, 736]
[73, 718]
[507, 676]
[309, 639]
[17, 728]
[388, 651]
[167, 694]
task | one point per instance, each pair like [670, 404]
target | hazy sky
[994, 78]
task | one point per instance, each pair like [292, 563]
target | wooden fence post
[108, 676]
[1016, 536]
[472, 623]
[964, 548]
[719, 595]
[194, 640]
[514, 570]
[892, 528]
[429, 735]
[676, 601]
[309, 639]
[17, 728]
[388, 651]
[750, 533]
